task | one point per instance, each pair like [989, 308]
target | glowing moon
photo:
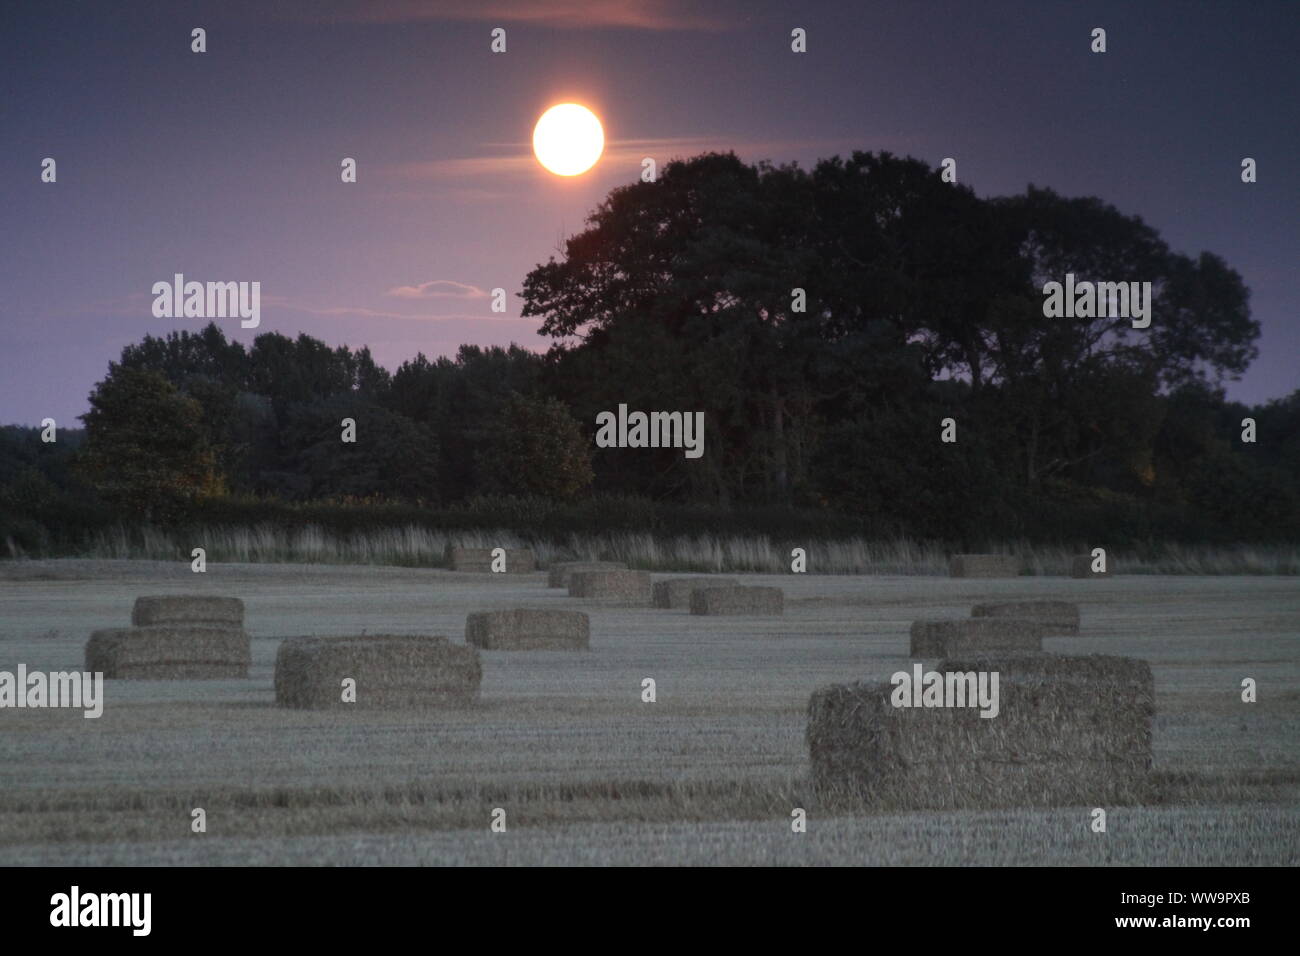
[568, 139]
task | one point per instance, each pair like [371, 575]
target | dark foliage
[826, 321]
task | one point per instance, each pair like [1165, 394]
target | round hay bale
[170, 652]
[187, 609]
[479, 560]
[1057, 617]
[1070, 731]
[102, 651]
[676, 592]
[392, 672]
[528, 629]
[622, 587]
[558, 574]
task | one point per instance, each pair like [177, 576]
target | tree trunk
[976, 373]
[1032, 451]
[780, 455]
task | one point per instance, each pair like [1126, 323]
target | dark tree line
[826, 321]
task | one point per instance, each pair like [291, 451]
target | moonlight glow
[568, 139]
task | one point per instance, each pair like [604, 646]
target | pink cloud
[627, 153]
[365, 313]
[436, 289]
[628, 14]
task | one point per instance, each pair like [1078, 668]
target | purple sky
[225, 165]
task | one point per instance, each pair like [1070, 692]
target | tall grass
[414, 546]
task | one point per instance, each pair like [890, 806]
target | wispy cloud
[135, 305]
[519, 160]
[437, 289]
[361, 312]
[659, 15]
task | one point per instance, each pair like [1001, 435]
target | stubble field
[587, 772]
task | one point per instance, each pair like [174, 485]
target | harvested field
[983, 566]
[738, 600]
[557, 575]
[392, 672]
[1057, 617]
[587, 772]
[1184, 836]
[980, 635]
[676, 592]
[621, 587]
[517, 560]
[528, 629]
[1070, 731]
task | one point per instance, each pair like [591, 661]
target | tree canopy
[826, 321]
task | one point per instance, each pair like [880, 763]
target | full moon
[568, 139]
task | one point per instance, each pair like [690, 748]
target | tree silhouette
[145, 448]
